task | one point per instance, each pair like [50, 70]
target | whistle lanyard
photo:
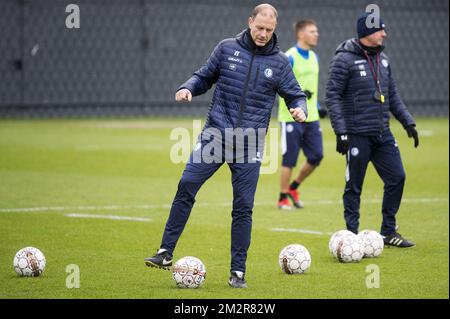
[375, 72]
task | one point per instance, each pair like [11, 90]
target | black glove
[322, 113]
[342, 144]
[412, 132]
[308, 94]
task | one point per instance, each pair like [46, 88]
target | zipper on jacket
[256, 78]
[381, 103]
[242, 104]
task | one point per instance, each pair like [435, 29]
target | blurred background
[128, 57]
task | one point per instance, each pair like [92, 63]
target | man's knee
[396, 179]
[243, 202]
[187, 189]
[242, 213]
[352, 190]
[315, 159]
[289, 161]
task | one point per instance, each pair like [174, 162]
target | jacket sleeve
[204, 78]
[290, 90]
[396, 105]
[337, 82]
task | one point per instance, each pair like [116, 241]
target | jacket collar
[245, 40]
[371, 50]
[354, 46]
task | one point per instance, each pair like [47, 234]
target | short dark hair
[257, 10]
[301, 24]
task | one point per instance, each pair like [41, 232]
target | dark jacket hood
[245, 40]
[353, 46]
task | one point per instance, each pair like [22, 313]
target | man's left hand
[412, 132]
[297, 114]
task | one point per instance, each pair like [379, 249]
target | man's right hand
[342, 144]
[183, 95]
[298, 114]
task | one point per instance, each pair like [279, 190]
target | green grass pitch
[60, 167]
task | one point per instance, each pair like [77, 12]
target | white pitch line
[304, 231]
[424, 200]
[61, 208]
[425, 133]
[137, 219]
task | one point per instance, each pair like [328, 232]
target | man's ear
[250, 21]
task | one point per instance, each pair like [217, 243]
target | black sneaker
[397, 240]
[162, 260]
[237, 280]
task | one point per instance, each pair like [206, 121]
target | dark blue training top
[350, 92]
[247, 79]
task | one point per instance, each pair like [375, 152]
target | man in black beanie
[361, 93]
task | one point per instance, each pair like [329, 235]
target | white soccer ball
[373, 243]
[349, 249]
[334, 239]
[189, 272]
[294, 259]
[29, 262]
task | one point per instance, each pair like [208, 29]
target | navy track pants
[383, 152]
[244, 180]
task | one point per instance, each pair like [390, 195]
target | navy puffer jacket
[350, 93]
[247, 80]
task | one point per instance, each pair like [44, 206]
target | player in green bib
[307, 135]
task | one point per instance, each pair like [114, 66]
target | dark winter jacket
[247, 80]
[350, 93]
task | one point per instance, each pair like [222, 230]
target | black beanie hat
[362, 28]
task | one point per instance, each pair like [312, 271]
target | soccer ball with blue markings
[373, 243]
[189, 272]
[294, 259]
[29, 262]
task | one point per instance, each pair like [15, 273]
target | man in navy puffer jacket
[248, 71]
[361, 92]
